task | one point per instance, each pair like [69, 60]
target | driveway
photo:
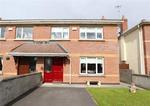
[56, 96]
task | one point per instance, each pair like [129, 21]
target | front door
[57, 68]
[48, 73]
[53, 69]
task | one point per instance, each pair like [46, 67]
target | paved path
[56, 96]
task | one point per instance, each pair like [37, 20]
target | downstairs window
[92, 65]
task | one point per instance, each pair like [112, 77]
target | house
[64, 50]
[135, 48]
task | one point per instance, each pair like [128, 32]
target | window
[48, 64]
[24, 33]
[91, 65]
[91, 33]
[2, 32]
[1, 64]
[60, 33]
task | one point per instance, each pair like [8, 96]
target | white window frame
[1, 32]
[22, 28]
[59, 29]
[95, 29]
[96, 62]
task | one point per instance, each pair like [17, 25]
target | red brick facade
[107, 48]
[146, 42]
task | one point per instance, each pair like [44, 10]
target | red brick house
[68, 51]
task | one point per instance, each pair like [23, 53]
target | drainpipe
[70, 72]
[141, 51]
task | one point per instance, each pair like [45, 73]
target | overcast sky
[134, 10]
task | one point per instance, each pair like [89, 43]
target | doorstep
[79, 85]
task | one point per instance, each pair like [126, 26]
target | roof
[143, 22]
[60, 21]
[39, 49]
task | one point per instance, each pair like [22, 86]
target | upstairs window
[24, 33]
[92, 65]
[2, 32]
[91, 33]
[60, 33]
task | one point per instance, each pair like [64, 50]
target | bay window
[91, 33]
[24, 33]
[91, 65]
[60, 33]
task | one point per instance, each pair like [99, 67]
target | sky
[133, 10]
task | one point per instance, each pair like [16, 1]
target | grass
[119, 97]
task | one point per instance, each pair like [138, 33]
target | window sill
[91, 75]
[59, 39]
[2, 39]
[23, 39]
[94, 40]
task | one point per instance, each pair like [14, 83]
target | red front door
[57, 68]
[53, 69]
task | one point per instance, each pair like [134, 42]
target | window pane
[82, 60]
[91, 59]
[32, 64]
[48, 65]
[60, 33]
[99, 68]
[91, 68]
[57, 35]
[2, 32]
[27, 33]
[19, 31]
[83, 68]
[91, 35]
[82, 35]
[99, 35]
[65, 35]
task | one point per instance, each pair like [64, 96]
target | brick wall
[146, 38]
[107, 48]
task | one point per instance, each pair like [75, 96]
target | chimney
[124, 25]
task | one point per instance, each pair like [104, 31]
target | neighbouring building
[67, 50]
[135, 48]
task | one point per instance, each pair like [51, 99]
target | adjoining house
[67, 50]
[135, 48]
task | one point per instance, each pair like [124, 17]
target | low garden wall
[141, 80]
[11, 88]
[126, 75]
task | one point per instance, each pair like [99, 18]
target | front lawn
[119, 97]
